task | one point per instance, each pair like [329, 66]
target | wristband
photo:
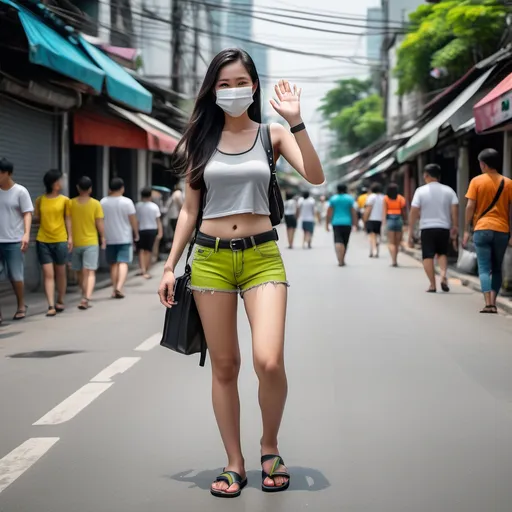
[298, 128]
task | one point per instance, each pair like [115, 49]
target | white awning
[384, 166]
[349, 176]
[383, 154]
[345, 159]
[426, 138]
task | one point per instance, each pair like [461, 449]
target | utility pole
[176, 21]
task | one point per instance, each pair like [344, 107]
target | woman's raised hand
[287, 104]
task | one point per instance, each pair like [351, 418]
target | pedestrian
[373, 218]
[121, 230]
[236, 247]
[176, 204]
[86, 221]
[342, 214]
[54, 240]
[323, 206]
[394, 216]
[308, 212]
[16, 220]
[361, 203]
[150, 229]
[291, 212]
[437, 208]
[488, 212]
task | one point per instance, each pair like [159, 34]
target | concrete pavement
[400, 401]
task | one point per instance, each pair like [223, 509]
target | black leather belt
[236, 244]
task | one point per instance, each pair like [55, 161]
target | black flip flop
[20, 312]
[445, 287]
[278, 461]
[489, 310]
[231, 478]
[430, 290]
[51, 308]
[60, 308]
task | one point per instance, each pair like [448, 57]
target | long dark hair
[392, 191]
[205, 127]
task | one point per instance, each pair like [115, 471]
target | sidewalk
[37, 304]
[472, 282]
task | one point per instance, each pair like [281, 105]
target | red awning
[93, 128]
[495, 108]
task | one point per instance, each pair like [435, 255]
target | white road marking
[150, 343]
[70, 407]
[14, 464]
[117, 367]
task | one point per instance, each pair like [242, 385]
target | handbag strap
[495, 200]
[266, 140]
[196, 229]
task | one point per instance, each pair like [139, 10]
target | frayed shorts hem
[242, 292]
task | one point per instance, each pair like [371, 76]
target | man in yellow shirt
[86, 222]
[361, 203]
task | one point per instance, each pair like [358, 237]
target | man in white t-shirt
[437, 208]
[373, 212]
[15, 221]
[121, 230]
[150, 229]
[307, 214]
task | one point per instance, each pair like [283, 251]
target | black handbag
[183, 330]
[275, 199]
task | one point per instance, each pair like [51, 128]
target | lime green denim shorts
[224, 270]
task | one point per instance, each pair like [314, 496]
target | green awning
[426, 138]
[49, 49]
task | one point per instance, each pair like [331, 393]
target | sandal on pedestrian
[51, 311]
[277, 461]
[444, 286]
[118, 295]
[431, 290]
[492, 310]
[20, 314]
[231, 478]
[60, 308]
[84, 304]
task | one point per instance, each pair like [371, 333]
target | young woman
[394, 215]
[236, 249]
[373, 218]
[54, 239]
[291, 211]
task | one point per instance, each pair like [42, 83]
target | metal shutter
[29, 138]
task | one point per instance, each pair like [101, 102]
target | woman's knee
[269, 367]
[226, 368]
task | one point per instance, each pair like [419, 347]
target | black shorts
[147, 239]
[342, 234]
[291, 221]
[374, 226]
[434, 241]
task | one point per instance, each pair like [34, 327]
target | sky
[314, 74]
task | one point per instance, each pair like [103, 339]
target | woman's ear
[254, 87]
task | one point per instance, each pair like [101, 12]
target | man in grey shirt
[16, 214]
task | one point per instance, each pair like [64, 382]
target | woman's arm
[184, 228]
[384, 212]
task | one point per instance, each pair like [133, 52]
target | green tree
[453, 35]
[344, 95]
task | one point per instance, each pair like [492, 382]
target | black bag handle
[188, 269]
[266, 140]
[495, 200]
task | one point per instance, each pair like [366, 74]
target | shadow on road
[302, 479]
[5, 335]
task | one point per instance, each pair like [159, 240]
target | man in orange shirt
[489, 199]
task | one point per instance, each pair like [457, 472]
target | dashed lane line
[14, 464]
[150, 343]
[120, 366]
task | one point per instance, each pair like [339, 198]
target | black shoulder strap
[197, 226]
[495, 200]
[266, 140]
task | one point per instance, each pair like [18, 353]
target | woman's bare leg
[393, 246]
[218, 316]
[61, 279]
[266, 310]
[49, 284]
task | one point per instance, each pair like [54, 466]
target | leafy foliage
[452, 34]
[354, 113]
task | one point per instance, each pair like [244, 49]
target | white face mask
[235, 101]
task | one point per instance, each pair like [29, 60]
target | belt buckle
[233, 244]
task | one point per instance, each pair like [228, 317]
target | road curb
[503, 304]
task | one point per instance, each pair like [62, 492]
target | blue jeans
[490, 251]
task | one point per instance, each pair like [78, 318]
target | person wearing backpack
[488, 212]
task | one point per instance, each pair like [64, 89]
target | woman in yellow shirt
[54, 240]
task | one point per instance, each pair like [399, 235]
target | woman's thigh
[218, 316]
[266, 310]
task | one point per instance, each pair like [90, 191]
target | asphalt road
[400, 401]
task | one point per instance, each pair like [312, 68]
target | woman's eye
[242, 84]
